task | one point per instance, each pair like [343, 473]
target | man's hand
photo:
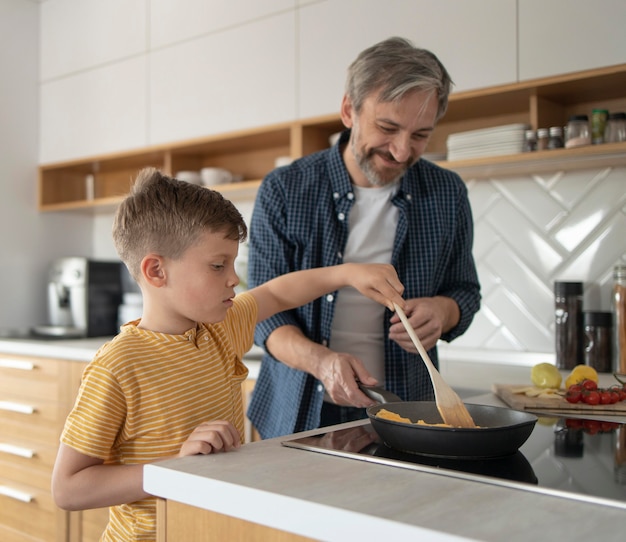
[210, 438]
[340, 373]
[430, 317]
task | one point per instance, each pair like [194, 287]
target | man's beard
[365, 161]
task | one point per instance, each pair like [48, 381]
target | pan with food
[499, 432]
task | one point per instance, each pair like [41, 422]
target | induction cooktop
[566, 457]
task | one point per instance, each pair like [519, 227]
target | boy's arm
[80, 482]
[377, 281]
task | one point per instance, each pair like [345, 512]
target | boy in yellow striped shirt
[169, 384]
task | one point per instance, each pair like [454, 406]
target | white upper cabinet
[239, 78]
[561, 36]
[172, 21]
[476, 51]
[94, 112]
[78, 35]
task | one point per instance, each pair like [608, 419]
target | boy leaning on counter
[169, 384]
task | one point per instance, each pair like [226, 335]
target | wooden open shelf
[251, 153]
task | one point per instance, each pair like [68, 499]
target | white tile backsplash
[531, 231]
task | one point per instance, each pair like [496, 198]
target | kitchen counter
[335, 498]
[84, 349]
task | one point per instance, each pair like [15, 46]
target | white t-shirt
[357, 326]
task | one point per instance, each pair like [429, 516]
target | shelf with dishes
[99, 183]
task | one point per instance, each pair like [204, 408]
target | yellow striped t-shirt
[144, 393]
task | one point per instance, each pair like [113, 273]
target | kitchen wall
[28, 239]
[125, 74]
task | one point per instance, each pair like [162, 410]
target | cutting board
[519, 401]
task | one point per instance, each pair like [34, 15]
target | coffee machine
[83, 298]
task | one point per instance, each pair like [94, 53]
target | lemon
[580, 373]
[545, 375]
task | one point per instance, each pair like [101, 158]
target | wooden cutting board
[519, 401]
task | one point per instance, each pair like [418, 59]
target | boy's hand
[378, 281]
[211, 437]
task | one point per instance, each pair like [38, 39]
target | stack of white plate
[508, 139]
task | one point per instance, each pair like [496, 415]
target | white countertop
[333, 498]
[83, 350]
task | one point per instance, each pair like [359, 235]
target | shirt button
[320, 388]
[408, 197]
[341, 217]
[350, 195]
[336, 195]
[340, 255]
[324, 342]
[330, 298]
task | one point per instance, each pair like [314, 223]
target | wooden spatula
[449, 404]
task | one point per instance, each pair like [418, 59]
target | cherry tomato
[573, 396]
[589, 385]
[605, 397]
[607, 427]
[614, 396]
[576, 387]
[591, 397]
[592, 426]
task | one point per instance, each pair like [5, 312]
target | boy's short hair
[166, 216]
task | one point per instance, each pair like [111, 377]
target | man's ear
[153, 270]
[347, 111]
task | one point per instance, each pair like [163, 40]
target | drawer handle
[16, 450]
[17, 407]
[16, 364]
[15, 494]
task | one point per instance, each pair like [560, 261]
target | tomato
[591, 397]
[589, 385]
[607, 427]
[614, 396]
[605, 397]
[573, 396]
[576, 387]
[592, 426]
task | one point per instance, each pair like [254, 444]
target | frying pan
[500, 431]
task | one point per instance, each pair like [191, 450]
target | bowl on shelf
[215, 175]
[192, 177]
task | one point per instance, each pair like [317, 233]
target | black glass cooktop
[567, 457]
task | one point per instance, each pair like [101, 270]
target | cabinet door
[476, 51]
[562, 36]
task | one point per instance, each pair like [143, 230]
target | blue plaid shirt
[300, 221]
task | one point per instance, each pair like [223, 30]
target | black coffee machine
[83, 298]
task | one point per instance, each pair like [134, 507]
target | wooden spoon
[449, 404]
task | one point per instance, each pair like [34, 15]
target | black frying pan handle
[381, 395]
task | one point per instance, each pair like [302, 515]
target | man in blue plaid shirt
[368, 198]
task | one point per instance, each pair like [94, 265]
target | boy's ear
[153, 270]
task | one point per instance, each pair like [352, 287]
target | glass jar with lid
[542, 139]
[577, 132]
[556, 138]
[615, 128]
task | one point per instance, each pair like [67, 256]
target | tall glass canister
[619, 306]
[568, 313]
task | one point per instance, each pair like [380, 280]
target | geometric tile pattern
[530, 231]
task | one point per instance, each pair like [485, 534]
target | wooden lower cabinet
[177, 522]
[36, 395]
[88, 525]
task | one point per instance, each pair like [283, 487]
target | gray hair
[394, 67]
